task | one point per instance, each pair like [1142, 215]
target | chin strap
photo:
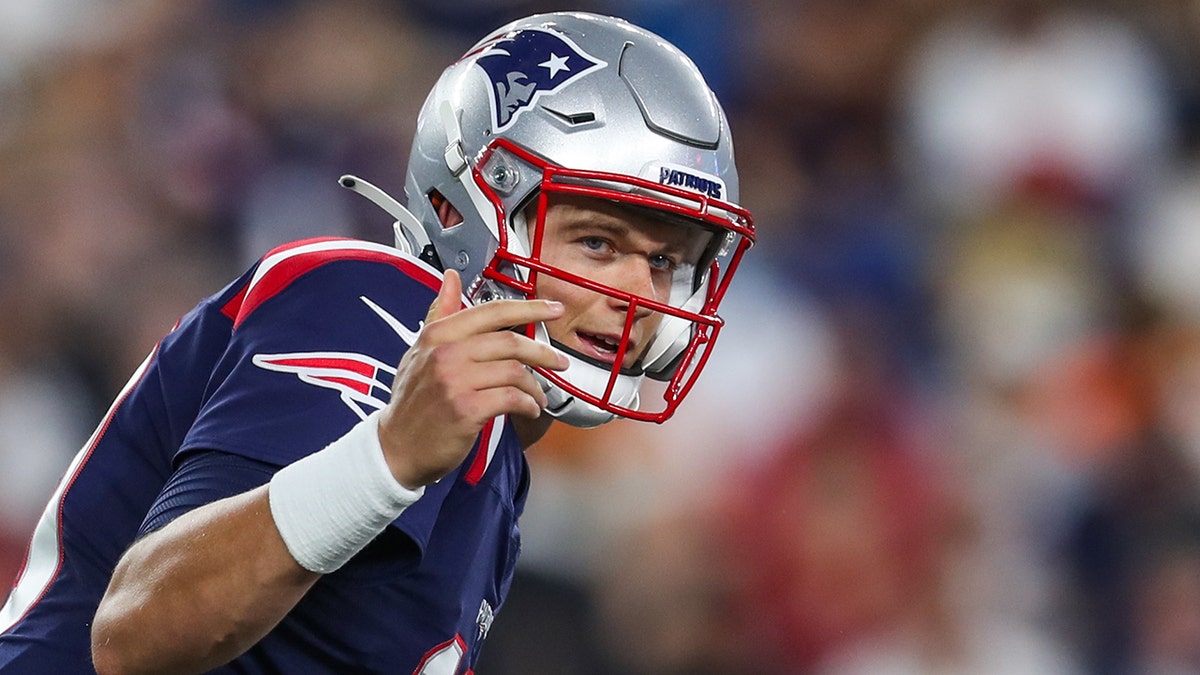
[569, 408]
[410, 235]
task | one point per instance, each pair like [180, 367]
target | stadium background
[953, 426]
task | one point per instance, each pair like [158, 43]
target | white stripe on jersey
[272, 260]
[45, 556]
[494, 440]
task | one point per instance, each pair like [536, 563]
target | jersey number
[443, 659]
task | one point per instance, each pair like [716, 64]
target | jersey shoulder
[341, 262]
[318, 328]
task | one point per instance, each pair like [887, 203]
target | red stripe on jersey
[480, 463]
[287, 263]
[234, 305]
[231, 308]
[364, 369]
[355, 385]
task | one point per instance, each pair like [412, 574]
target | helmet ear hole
[446, 213]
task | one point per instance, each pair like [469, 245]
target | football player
[271, 492]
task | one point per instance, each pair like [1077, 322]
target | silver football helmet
[594, 106]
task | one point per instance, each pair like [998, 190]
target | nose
[635, 277]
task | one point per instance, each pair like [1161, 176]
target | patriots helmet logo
[528, 64]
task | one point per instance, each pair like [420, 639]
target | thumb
[448, 300]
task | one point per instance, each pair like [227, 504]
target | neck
[530, 431]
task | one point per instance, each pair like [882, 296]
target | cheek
[662, 287]
[574, 299]
[549, 288]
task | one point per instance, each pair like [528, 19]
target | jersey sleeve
[201, 478]
[207, 476]
[317, 335]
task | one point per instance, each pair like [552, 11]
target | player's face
[623, 248]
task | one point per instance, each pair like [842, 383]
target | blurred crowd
[953, 425]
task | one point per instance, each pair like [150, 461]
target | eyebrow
[619, 228]
[607, 224]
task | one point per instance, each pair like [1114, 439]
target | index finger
[493, 316]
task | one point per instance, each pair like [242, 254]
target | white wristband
[331, 504]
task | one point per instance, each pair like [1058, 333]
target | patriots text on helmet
[691, 181]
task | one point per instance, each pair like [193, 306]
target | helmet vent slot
[573, 119]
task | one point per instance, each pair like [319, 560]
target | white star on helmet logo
[555, 64]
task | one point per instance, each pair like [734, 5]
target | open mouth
[600, 351]
[600, 347]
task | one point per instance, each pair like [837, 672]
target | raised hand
[463, 370]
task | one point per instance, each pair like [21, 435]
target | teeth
[605, 343]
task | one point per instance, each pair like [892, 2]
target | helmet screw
[462, 259]
[502, 176]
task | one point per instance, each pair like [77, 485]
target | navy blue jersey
[273, 368]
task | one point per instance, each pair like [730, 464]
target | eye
[663, 262]
[596, 244]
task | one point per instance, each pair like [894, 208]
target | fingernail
[554, 305]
